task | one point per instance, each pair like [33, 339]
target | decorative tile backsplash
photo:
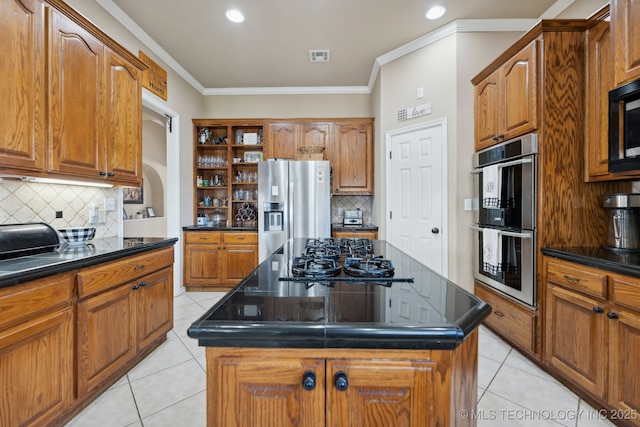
[340, 203]
[22, 202]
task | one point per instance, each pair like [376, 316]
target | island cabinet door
[265, 392]
[381, 393]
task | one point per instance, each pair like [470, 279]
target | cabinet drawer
[200, 237]
[24, 300]
[248, 238]
[577, 277]
[625, 291]
[514, 322]
[105, 276]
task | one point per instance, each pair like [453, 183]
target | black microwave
[624, 128]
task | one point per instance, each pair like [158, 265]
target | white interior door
[416, 193]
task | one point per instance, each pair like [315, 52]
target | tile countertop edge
[22, 276]
[576, 255]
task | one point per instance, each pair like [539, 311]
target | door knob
[435, 230]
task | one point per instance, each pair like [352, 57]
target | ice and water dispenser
[273, 216]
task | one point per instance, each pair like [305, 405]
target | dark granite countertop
[66, 258]
[365, 227]
[618, 262]
[269, 308]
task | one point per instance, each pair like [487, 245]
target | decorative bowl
[77, 236]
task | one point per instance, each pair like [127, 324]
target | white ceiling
[269, 51]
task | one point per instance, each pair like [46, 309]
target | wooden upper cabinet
[599, 83]
[352, 158]
[285, 138]
[76, 106]
[487, 115]
[124, 120]
[282, 139]
[625, 15]
[506, 100]
[22, 43]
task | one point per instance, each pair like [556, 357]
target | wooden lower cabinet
[355, 234]
[514, 322]
[36, 351]
[218, 260]
[593, 335]
[340, 387]
[123, 307]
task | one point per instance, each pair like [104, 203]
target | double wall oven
[505, 217]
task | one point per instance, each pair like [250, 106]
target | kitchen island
[398, 347]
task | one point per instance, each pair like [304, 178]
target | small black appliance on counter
[18, 240]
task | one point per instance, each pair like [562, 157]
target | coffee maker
[624, 222]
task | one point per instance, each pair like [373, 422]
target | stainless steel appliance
[505, 218]
[624, 128]
[624, 221]
[294, 200]
[352, 218]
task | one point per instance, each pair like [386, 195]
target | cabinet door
[154, 300]
[599, 83]
[123, 121]
[381, 392]
[202, 265]
[37, 369]
[314, 134]
[282, 139]
[624, 380]
[22, 144]
[76, 101]
[487, 114]
[352, 158]
[240, 261]
[626, 39]
[518, 99]
[106, 338]
[575, 344]
[273, 398]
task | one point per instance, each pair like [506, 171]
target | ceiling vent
[319, 55]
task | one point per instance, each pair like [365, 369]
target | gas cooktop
[331, 260]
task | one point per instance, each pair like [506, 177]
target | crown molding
[458, 26]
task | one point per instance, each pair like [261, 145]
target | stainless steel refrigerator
[294, 200]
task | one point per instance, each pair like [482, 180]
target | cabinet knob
[135, 287]
[309, 380]
[111, 174]
[102, 173]
[598, 310]
[341, 381]
[501, 136]
[612, 315]
[143, 283]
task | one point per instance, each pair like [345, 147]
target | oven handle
[507, 164]
[507, 233]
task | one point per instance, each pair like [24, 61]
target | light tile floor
[168, 387]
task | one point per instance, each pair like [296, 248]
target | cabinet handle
[501, 136]
[598, 310]
[135, 287]
[309, 380]
[102, 173]
[341, 381]
[495, 138]
[573, 279]
[612, 315]
[498, 313]
[138, 267]
[143, 283]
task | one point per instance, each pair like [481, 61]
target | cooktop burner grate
[315, 267]
[368, 267]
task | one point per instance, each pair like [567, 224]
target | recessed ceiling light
[234, 15]
[435, 12]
